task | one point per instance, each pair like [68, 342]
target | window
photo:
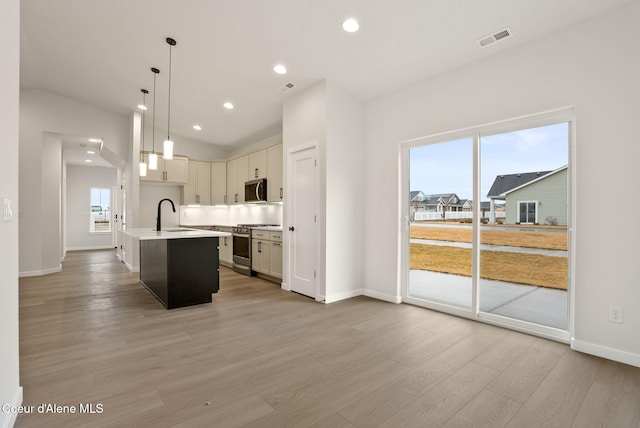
[527, 211]
[99, 211]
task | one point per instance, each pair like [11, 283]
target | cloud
[530, 139]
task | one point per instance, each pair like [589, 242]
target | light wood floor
[262, 357]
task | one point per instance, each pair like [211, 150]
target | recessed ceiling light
[95, 140]
[350, 25]
[197, 127]
[280, 69]
[228, 105]
[91, 152]
[142, 106]
[88, 160]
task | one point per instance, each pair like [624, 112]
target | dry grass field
[530, 269]
[513, 238]
[520, 268]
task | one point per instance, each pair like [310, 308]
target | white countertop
[270, 228]
[173, 233]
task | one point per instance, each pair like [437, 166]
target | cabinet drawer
[275, 236]
[259, 234]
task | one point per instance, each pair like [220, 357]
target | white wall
[305, 122]
[593, 65]
[183, 146]
[334, 119]
[42, 116]
[10, 390]
[50, 211]
[150, 195]
[266, 142]
[80, 180]
[345, 197]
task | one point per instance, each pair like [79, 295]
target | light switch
[8, 211]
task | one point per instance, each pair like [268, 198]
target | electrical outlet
[615, 314]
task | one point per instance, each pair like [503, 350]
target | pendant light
[143, 164]
[168, 144]
[153, 156]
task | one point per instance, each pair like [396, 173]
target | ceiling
[79, 150]
[100, 52]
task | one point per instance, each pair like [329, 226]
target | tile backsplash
[230, 215]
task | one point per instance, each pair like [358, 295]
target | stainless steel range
[242, 247]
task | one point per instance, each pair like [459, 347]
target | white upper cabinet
[274, 173]
[265, 163]
[237, 175]
[218, 182]
[232, 181]
[198, 187]
[169, 171]
[257, 165]
[243, 176]
[153, 174]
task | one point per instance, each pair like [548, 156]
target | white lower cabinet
[260, 260]
[266, 252]
[226, 246]
[275, 263]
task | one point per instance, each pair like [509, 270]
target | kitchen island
[180, 266]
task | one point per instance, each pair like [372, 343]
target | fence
[452, 215]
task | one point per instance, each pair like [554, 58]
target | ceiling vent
[495, 37]
[287, 87]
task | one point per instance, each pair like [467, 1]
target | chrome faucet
[158, 221]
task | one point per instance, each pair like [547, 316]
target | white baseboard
[606, 352]
[131, 268]
[336, 297]
[39, 272]
[92, 247]
[362, 292]
[382, 296]
[8, 420]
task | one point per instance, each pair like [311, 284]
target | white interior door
[302, 228]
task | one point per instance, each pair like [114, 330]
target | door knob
[291, 228]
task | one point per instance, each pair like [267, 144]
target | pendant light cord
[144, 103]
[153, 129]
[169, 111]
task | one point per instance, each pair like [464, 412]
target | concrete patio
[540, 305]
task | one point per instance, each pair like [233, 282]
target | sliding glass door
[524, 238]
[440, 259]
[489, 217]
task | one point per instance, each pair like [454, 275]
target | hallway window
[100, 212]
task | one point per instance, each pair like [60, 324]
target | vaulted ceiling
[101, 52]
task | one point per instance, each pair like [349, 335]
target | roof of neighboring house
[414, 193]
[507, 182]
[437, 198]
[543, 177]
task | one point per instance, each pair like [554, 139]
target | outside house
[531, 197]
[437, 203]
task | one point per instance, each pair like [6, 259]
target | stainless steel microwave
[255, 190]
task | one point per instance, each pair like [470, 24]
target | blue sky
[448, 167]
[100, 197]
